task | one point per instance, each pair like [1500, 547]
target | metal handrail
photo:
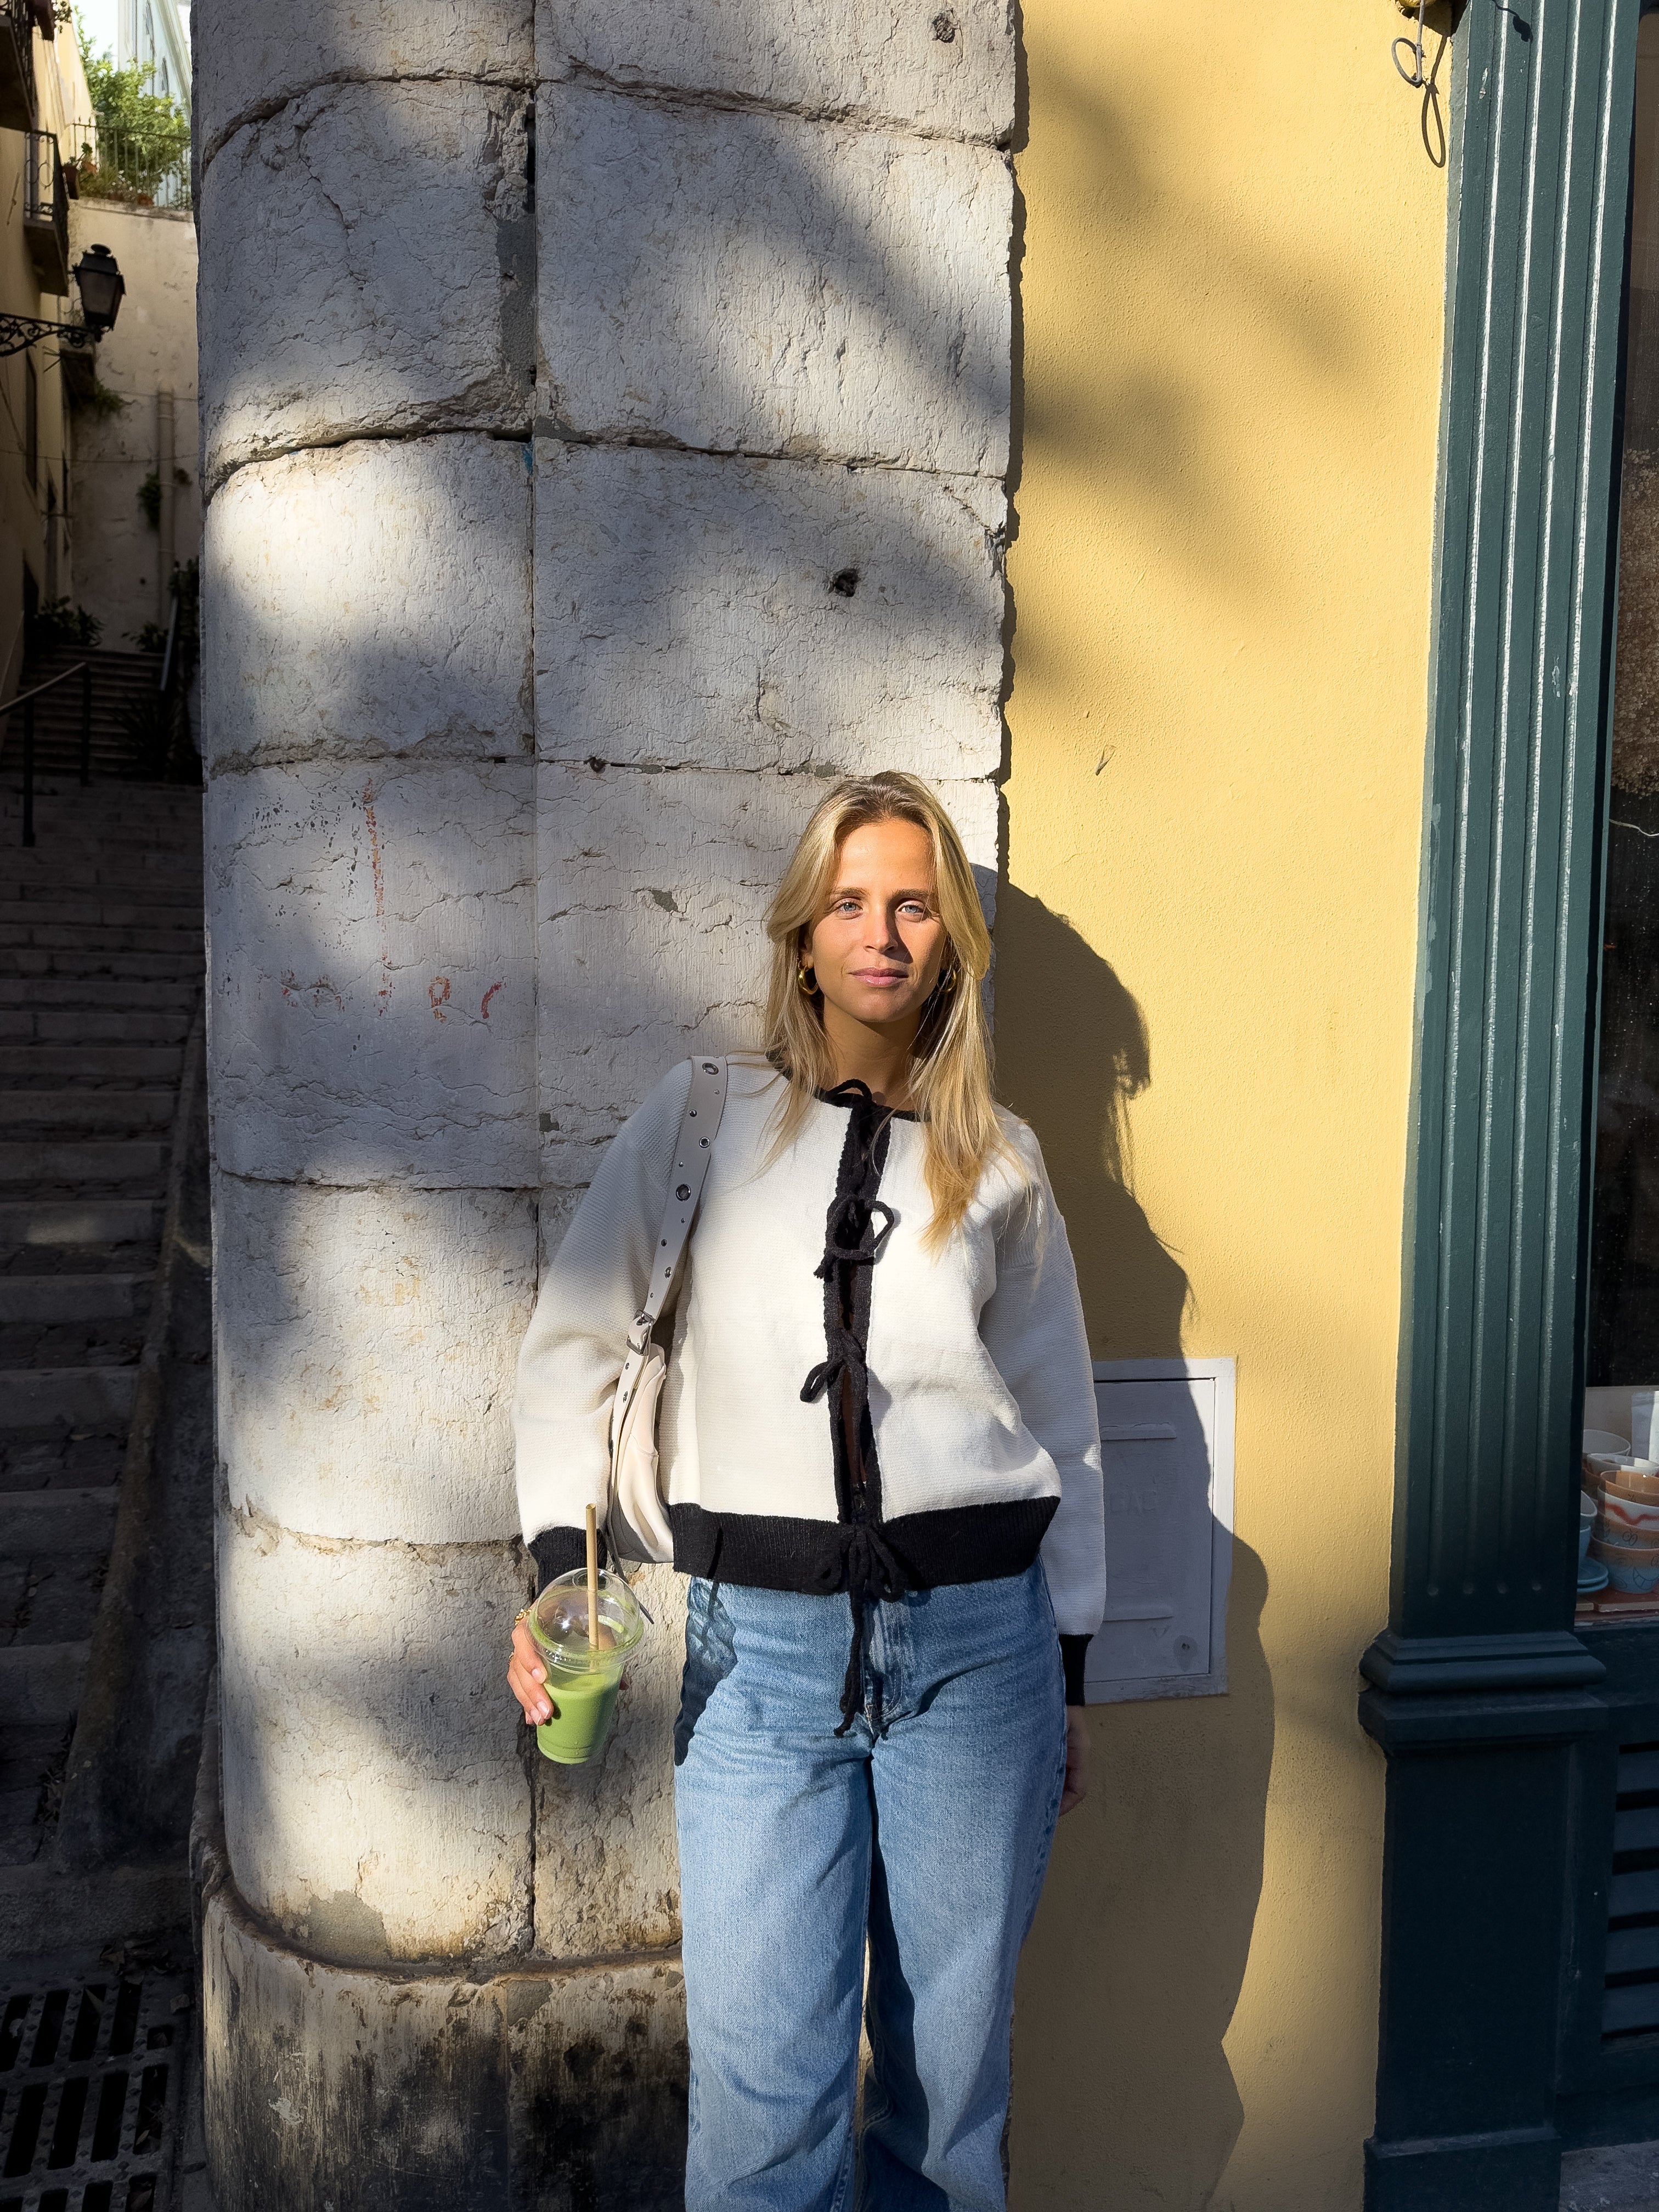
[26, 700]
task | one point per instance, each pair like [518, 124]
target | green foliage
[92, 398]
[143, 137]
[150, 498]
[55, 623]
[150, 637]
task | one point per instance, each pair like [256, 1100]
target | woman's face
[878, 943]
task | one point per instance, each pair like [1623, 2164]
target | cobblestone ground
[1623, 2180]
[101, 964]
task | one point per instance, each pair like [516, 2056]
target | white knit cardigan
[981, 1444]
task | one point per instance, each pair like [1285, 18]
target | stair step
[17, 961]
[61, 997]
[60, 799]
[94, 1025]
[41, 1683]
[164, 905]
[174, 896]
[30, 1397]
[60, 1223]
[42, 1162]
[37, 1521]
[98, 1063]
[87, 1110]
[66, 933]
[129, 869]
[47, 1298]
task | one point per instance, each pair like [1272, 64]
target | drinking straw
[592, 1580]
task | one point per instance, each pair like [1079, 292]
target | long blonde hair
[951, 1068]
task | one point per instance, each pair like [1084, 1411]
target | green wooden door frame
[1480, 1692]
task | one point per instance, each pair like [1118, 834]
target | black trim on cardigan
[559, 1551]
[853, 1246]
[778, 1551]
[1074, 1657]
[775, 1551]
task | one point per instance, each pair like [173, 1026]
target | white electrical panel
[1166, 1435]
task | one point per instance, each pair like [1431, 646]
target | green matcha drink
[583, 1676]
[582, 1706]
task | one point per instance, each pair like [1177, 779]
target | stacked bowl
[1623, 1491]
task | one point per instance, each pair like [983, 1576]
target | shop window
[1619, 1577]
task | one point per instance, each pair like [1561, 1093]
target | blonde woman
[884, 1484]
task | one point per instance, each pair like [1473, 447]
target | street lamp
[102, 289]
[102, 286]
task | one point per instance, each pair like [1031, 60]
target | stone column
[534, 614]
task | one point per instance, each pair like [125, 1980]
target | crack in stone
[215, 480]
[548, 429]
[250, 1521]
[393, 1186]
[262, 111]
[844, 114]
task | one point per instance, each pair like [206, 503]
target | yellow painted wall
[1232, 291]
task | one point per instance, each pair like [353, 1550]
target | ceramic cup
[1635, 1572]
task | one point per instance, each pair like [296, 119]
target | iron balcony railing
[148, 168]
[18, 22]
[45, 211]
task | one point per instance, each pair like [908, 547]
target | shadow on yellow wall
[1051, 984]
[1101, 2017]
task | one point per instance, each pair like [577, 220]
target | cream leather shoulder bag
[636, 1512]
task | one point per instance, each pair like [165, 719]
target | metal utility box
[1166, 1433]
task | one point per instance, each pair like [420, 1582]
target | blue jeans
[929, 1832]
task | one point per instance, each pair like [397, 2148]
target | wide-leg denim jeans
[927, 1826]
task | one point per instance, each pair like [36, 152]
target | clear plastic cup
[582, 1678]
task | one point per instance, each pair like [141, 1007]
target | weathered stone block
[949, 70]
[371, 994]
[405, 2092]
[375, 1802]
[250, 54]
[652, 891]
[366, 266]
[365, 1343]
[607, 1867]
[757, 282]
[367, 600]
[765, 614]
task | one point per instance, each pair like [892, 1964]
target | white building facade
[154, 34]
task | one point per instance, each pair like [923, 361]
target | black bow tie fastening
[857, 1231]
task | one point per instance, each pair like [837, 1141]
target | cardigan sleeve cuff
[1073, 1655]
[558, 1551]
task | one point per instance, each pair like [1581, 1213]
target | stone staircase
[101, 962]
[121, 681]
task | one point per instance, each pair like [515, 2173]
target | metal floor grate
[89, 2093]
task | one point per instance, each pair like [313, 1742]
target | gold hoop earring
[807, 990]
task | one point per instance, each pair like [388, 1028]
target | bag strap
[694, 1147]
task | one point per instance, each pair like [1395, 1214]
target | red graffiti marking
[488, 996]
[385, 991]
[438, 994]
